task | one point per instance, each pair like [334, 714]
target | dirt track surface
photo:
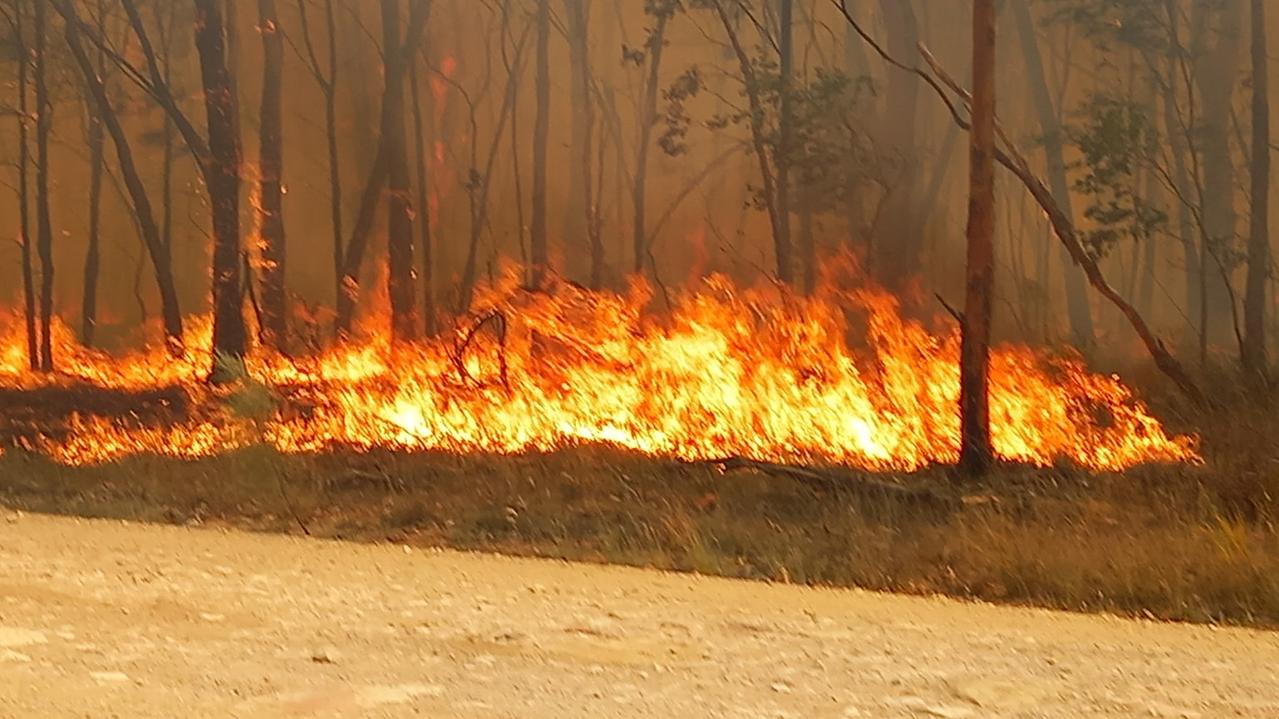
[104, 619]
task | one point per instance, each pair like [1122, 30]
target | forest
[972, 266]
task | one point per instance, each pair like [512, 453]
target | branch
[1012, 159]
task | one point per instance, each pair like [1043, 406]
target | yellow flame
[729, 371]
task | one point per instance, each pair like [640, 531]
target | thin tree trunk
[786, 68]
[976, 452]
[353, 256]
[400, 279]
[230, 339]
[648, 119]
[896, 252]
[425, 142]
[1077, 309]
[1254, 308]
[271, 178]
[145, 217]
[759, 142]
[93, 256]
[579, 225]
[538, 250]
[24, 187]
[44, 222]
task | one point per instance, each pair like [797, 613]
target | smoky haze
[683, 123]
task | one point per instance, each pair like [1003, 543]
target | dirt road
[103, 619]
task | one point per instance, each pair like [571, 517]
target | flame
[838, 378]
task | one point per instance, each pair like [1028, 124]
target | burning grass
[839, 379]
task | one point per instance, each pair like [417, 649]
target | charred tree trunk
[1077, 309]
[401, 277]
[1254, 308]
[93, 256]
[230, 339]
[271, 178]
[538, 247]
[44, 222]
[425, 142]
[24, 187]
[171, 313]
[976, 453]
[648, 119]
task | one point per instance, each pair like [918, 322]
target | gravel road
[107, 619]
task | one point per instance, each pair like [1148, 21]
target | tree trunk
[271, 178]
[44, 222]
[170, 311]
[93, 256]
[230, 340]
[353, 255]
[1077, 309]
[425, 142]
[401, 277]
[786, 69]
[24, 188]
[1217, 80]
[579, 236]
[538, 249]
[648, 119]
[759, 141]
[1254, 308]
[976, 452]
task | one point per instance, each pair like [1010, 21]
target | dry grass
[1183, 543]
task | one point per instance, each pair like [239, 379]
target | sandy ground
[105, 619]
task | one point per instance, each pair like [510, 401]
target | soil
[111, 619]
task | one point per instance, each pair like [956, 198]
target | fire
[838, 378]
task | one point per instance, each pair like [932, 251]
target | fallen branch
[1012, 159]
[458, 355]
[829, 481]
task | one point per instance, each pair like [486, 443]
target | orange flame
[729, 371]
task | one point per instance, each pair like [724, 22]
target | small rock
[111, 677]
[328, 655]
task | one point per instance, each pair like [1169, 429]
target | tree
[976, 452]
[1077, 309]
[271, 177]
[650, 56]
[401, 278]
[17, 23]
[44, 220]
[785, 131]
[230, 340]
[396, 58]
[142, 209]
[580, 218]
[1254, 308]
[328, 82]
[539, 255]
[96, 141]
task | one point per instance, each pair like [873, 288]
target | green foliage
[1115, 140]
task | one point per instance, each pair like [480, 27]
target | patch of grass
[1181, 543]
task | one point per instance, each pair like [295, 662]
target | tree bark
[1077, 309]
[44, 221]
[896, 253]
[271, 178]
[976, 453]
[1254, 308]
[538, 246]
[230, 340]
[585, 255]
